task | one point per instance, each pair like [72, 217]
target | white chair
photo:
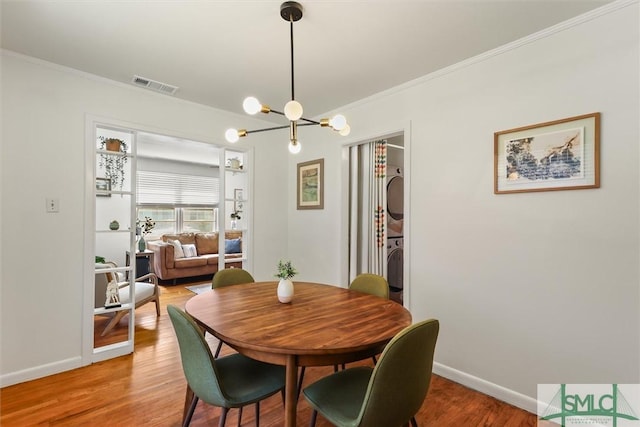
[146, 290]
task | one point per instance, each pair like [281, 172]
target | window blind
[164, 188]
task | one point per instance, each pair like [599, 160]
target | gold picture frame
[310, 186]
[558, 155]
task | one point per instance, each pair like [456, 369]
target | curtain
[368, 201]
[377, 208]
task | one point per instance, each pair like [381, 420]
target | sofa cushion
[206, 243]
[143, 291]
[191, 262]
[212, 259]
[232, 246]
[184, 238]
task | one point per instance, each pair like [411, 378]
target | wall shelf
[113, 192]
[235, 170]
[113, 153]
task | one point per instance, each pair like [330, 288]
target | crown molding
[516, 44]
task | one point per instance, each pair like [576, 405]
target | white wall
[43, 155]
[529, 288]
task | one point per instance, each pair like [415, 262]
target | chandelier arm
[267, 129]
[301, 118]
[310, 122]
[281, 127]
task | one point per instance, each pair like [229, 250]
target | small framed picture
[559, 155]
[103, 187]
[238, 199]
[311, 185]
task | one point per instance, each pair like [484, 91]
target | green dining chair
[232, 381]
[371, 284]
[231, 276]
[389, 394]
[366, 283]
[228, 277]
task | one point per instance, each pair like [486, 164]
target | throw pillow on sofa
[233, 246]
[177, 249]
[189, 251]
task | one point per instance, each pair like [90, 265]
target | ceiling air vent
[155, 85]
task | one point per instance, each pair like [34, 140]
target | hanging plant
[113, 164]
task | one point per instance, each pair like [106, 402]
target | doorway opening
[395, 217]
[376, 211]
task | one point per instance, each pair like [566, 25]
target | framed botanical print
[311, 185]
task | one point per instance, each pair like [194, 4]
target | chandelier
[290, 11]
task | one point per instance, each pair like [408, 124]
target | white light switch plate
[53, 205]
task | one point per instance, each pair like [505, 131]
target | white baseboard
[511, 397]
[40, 371]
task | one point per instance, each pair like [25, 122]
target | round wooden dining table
[322, 325]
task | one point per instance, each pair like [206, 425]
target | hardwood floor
[147, 389]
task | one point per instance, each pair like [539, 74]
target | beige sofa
[205, 262]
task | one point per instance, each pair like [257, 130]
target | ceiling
[218, 52]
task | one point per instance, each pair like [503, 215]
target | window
[164, 217]
[199, 219]
[172, 220]
[178, 202]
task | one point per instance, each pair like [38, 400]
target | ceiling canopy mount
[291, 11]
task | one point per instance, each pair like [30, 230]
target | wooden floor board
[147, 389]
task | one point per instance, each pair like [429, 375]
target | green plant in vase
[145, 227]
[286, 270]
[235, 216]
[285, 273]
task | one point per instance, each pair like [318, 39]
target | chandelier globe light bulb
[231, 135]
[338, 122]
[251, 105]
[294, 148]
[293, 110]
[346, 130]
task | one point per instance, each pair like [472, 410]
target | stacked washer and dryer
[395, 229]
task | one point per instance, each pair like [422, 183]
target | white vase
[285, 290]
